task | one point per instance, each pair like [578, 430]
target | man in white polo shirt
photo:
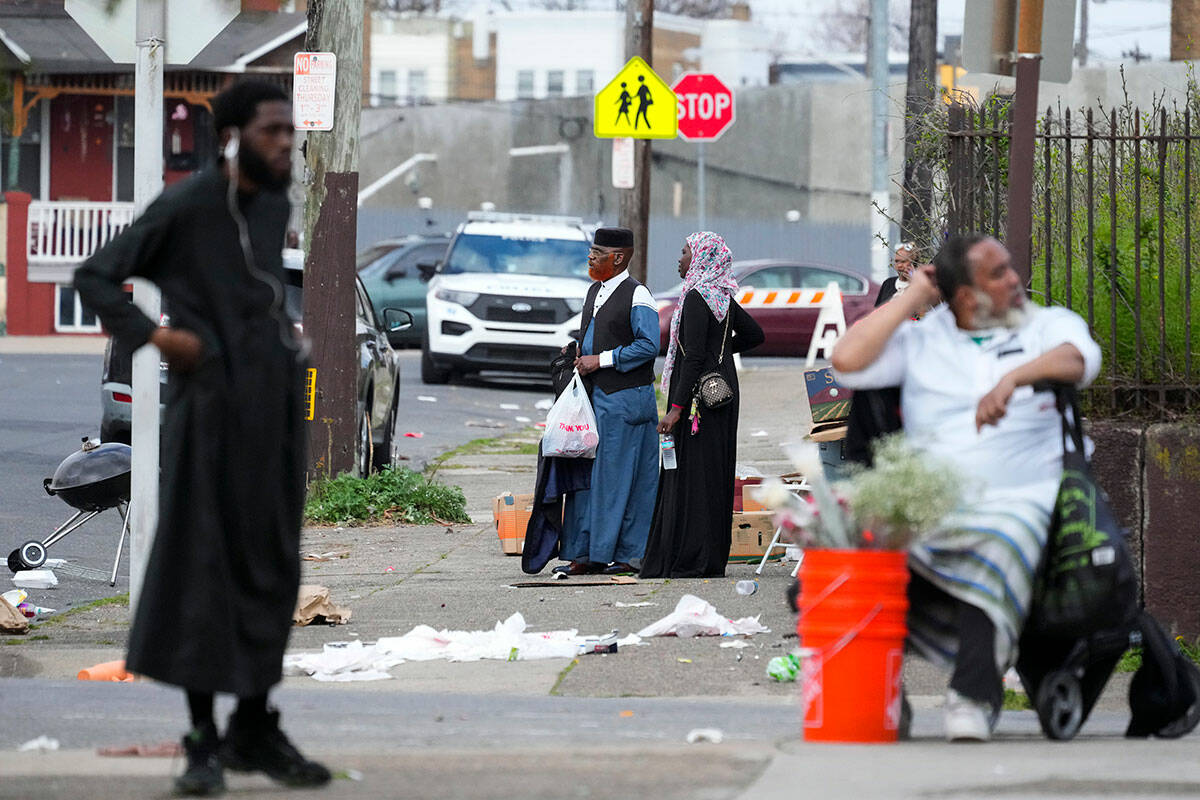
[966, 373]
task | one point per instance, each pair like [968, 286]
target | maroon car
[788, 331]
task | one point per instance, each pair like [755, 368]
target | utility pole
[150, 37]
[879, 160]
[917, 194]
[1081, 47]
[635, 203]
[330, 229]
[1019, 233]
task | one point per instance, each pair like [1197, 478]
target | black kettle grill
[92, 480]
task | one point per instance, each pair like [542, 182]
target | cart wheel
[1060, 705]
[14, 561]
[1187, 723]
[32, 555]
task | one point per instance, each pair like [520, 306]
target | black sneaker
[263, 747]
[203, 776]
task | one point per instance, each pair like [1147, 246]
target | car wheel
[430, 373]
[384, 457]
[364, 459]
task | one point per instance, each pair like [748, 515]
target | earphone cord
[285, 325]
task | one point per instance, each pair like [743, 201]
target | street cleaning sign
[636, 104]
[313, 80]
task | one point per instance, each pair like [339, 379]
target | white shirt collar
[614, 281]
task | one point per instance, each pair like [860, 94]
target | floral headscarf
[710, 274]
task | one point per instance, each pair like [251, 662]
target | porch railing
[67, 232]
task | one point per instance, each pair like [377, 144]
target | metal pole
[880, 213]
[701, 194]
[147, 184]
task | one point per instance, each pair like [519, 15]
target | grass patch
[396, 496]
[1133, 656]
[1016, 701]
[115, 600]
[26, 639]
[513, 444]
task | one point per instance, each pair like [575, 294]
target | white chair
[795, 488]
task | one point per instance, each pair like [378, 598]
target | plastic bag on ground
[571, 424]
[695, 617]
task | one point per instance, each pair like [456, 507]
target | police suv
[506, 296]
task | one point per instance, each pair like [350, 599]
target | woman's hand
[182, 349]
[669, 422]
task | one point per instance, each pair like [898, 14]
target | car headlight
[575, 304]
[452, 296]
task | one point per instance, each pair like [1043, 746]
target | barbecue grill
[91, 480]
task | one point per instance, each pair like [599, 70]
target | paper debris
[523, 419]
[544, 404]
[414, 435]
[737, 644]
[330, 556]
[713, 735]
[619, 604]
[424, 398]
[35, 579]
[55, 563]
[695, 617]
[313, 603]
[42, 744]
[485, 423]
[11, 619]
[510, 406]
[758, 434]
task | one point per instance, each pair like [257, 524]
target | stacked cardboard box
[511, 513]
[751, 535]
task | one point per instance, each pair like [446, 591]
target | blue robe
[611, 521]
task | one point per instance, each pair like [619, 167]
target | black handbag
[1086, 582]
[712, 390]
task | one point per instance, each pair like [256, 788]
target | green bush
[399, 496]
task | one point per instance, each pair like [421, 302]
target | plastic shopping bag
[571, 425]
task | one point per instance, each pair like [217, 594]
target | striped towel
[985, 554]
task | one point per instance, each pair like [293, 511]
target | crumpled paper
[507, 641]
[11, 620]
[695, 617]
[313, 602]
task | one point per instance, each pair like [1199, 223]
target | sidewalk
[53, 345]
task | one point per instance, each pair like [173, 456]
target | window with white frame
[525, 84]
[585, 80]
[554, 83]
[418, 90]
[386, 89]
[71, 315]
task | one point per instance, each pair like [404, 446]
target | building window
[71, 315]
[524, 84]
[418, 92]
[585, 80]
[386, 89]
[554, 83]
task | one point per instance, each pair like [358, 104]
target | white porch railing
[65, 233]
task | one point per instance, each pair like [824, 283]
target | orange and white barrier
[786, 298]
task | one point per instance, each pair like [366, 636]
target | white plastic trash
[35, 579]
[571, 424]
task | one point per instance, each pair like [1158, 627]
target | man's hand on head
[923, 286]
[994, 405]
[182, 349]
[587, 364]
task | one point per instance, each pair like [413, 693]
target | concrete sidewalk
[66, 344]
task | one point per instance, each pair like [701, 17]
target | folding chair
[794, 488]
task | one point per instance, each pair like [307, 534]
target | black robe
[220, 588]
[693, 516]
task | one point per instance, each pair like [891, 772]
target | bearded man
[605, 528]
[966, 374]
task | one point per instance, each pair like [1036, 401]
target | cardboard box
[739, 491]
[751, 535]
[511, 514]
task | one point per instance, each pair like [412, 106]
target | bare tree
[848, 29]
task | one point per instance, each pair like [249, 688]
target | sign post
[705, 111]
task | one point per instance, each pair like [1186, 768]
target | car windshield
[510, 255]
[373, 254]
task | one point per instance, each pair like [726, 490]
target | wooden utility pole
[1018, 236]
[1185, 29]
[917, 194]
[635, 202]
[330, 227]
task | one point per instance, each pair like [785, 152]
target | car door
[374, 353]
[781, 325]
[405, 289]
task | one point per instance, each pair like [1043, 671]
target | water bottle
[746, 587]
[668, 451]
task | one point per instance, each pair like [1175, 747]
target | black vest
[614, 330]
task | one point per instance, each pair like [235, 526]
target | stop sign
[705, 106]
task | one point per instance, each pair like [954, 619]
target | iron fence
[1112, 214]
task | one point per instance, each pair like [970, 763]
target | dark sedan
[788, 330]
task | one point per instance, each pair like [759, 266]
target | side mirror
[395, 272]
[397, 319]
[427, 270]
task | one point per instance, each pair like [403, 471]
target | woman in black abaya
[690, 534]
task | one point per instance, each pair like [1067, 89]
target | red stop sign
[705, 106]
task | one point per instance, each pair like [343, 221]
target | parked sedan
[787, 331]
[390, 272]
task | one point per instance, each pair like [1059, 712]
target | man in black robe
[221, 584]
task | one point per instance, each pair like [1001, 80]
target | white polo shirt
[944, 372]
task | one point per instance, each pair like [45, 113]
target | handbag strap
[724, 336]
[1066, 398]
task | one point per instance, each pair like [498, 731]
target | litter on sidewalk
[508, 641]
[695, 617]
[713, 735]
[313, 603]
[330, 556]
[12, 620]
[42, 744]
[161, 750]
[35, 579]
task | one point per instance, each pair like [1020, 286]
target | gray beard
[986, 316]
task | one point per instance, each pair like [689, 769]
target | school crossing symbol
[636, 104]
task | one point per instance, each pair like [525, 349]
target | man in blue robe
[605, 529]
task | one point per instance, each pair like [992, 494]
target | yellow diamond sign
[636, 104]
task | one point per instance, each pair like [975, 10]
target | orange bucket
[853, 605]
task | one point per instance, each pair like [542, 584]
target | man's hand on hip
[994, 405]
[182, 349]
[587, 364]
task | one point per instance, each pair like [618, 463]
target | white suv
[506, 296]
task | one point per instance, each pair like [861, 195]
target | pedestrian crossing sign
[636, 104]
